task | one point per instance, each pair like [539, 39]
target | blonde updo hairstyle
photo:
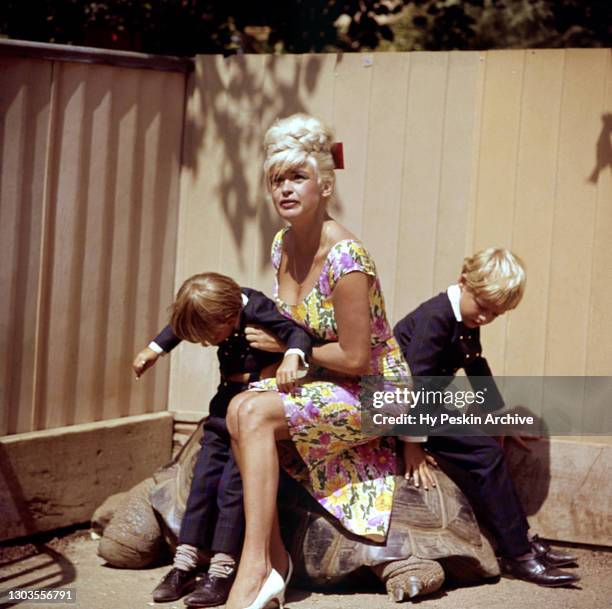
[295, 141]
[495, 275]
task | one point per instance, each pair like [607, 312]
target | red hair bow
[337, 153]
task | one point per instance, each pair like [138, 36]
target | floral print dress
[350, 474]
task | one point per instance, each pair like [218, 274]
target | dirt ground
[71, 562]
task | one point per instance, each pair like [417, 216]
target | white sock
[222, 565]
[186, 558]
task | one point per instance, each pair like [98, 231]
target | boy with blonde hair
[211, 309]
[441, 336]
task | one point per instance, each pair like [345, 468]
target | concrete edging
[564, 486]
[58, 477]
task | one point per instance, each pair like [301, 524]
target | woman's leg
[256, 422]
[232, 421]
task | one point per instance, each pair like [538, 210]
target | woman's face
[297, 193]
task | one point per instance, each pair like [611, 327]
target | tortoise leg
[133, 538]
[410, 577]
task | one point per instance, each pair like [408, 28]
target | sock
[186, 558]
[222, 565]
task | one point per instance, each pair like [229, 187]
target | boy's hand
[264, 340]
[143, 361]
[417, 463]
[286, 375]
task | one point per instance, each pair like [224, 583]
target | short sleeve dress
[350, 474]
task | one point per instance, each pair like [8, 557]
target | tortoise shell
[437, 524]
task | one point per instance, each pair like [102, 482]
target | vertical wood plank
[425, 111]
[458, 149]
[385, 161]
[351, 111]
[240, 177]
[282, 96]
[291, 84]
[496, 179]
[534, 208]
[571, 254]
[599, 349]
[193, 370]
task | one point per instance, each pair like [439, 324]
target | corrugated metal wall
[446, 153]
[89, 192]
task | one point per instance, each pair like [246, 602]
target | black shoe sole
[544, 585]
[194, 605]
[168, 599]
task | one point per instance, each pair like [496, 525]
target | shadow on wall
[242, 98]
[41, 566]
[603, 149]
[530, 468]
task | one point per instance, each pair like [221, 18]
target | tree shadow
[603, 148]
[53, 572]
[30, 571]
[235, 101]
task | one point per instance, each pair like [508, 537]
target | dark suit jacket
[235, 354]
[435, 344]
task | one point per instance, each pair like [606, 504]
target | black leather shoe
[176, 583]
[210, 591]
[534, 570]
[553, 558]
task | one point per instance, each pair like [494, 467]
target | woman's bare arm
[351, 354]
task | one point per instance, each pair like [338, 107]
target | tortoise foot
[411, 577]
[132, 539]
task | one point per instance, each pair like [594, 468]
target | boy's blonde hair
[295, 141]
[495, 275]
[204, 302]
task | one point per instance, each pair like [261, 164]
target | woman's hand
[286, 375]
[262, 339]
[143, 361]
[417, 463]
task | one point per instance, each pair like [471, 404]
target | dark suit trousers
[214, 515]
[478, 466]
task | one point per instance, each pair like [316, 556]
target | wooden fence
[445, 153]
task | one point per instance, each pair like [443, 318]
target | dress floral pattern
[350, 474]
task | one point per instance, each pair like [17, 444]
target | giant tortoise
[433, 533]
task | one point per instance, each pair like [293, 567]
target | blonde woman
[326, 281]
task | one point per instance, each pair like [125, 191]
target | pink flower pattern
[347, 470]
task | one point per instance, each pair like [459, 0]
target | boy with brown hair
[442, 335]
[212, 309]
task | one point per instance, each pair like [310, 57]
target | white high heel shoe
[273, 588]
